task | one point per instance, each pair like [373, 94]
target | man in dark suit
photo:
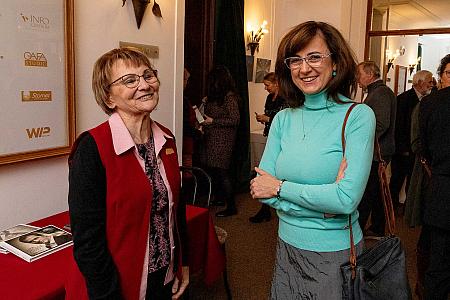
[403, 159]
[434, 129]
[382, 101]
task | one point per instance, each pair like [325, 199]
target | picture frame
[401, 73]
[262, 68]
[37, 109]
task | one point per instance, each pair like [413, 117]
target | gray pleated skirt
[308, 275]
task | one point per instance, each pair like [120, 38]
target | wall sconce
[412, 66]
[391, 57]
[390, 62]
[254, 36]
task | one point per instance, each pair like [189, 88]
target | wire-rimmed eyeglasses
[132, 80]
[313, 60]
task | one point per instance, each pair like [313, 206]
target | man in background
[403, 159]
[434, 127]
[383, 103]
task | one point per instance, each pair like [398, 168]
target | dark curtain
[230, 51]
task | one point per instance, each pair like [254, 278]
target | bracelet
[279, 188]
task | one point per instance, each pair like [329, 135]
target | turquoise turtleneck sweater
[304, 148]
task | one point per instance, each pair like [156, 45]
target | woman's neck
[139, 126]
[317, 101]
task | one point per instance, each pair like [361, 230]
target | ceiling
[415, 14]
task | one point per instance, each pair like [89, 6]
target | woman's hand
[341, 171]
[208, 120]
[264, 186]
[262, 118]
[179, 290]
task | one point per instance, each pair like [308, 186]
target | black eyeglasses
[313, 60]
[132, 80]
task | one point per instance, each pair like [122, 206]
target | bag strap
[352, 243]
[385, 195]
[385, 191]
[425, 166]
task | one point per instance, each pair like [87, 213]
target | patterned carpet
[251, 251]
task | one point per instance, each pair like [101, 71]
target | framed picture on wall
[262, 68]
[250, 62]
[400, 79]
[37, 110]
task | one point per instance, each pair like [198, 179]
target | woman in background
[301, 173]
[124, 181]
[221, 121]
[274, 103]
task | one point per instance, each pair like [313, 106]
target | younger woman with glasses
[303, 173]
[124, 182]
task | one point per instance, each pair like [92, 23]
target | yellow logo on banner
[36, 96]
[35, 59]
[38, 132]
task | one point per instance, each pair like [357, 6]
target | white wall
[33, 190]
[434, 48]
[410, 42]
[349, 16]
[255, 12]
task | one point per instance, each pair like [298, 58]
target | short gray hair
[420, 76]
[370, 66]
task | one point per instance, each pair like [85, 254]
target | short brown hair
[342, 55]
[101, 74]
[271, 77]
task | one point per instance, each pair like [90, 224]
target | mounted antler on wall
[139, 9]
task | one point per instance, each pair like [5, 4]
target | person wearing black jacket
[434, 129]
[403, 159]
[383, 103]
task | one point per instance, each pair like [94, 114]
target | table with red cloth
[45, 277]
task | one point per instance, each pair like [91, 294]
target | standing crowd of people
[124, 175]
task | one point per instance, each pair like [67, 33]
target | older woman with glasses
[304, 173]
[127, 223]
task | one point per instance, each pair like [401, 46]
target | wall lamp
[412, 66]
[390, 63]
[254, 36]
[391, 57]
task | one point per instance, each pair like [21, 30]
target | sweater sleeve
[87, 208]
[336, 198]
